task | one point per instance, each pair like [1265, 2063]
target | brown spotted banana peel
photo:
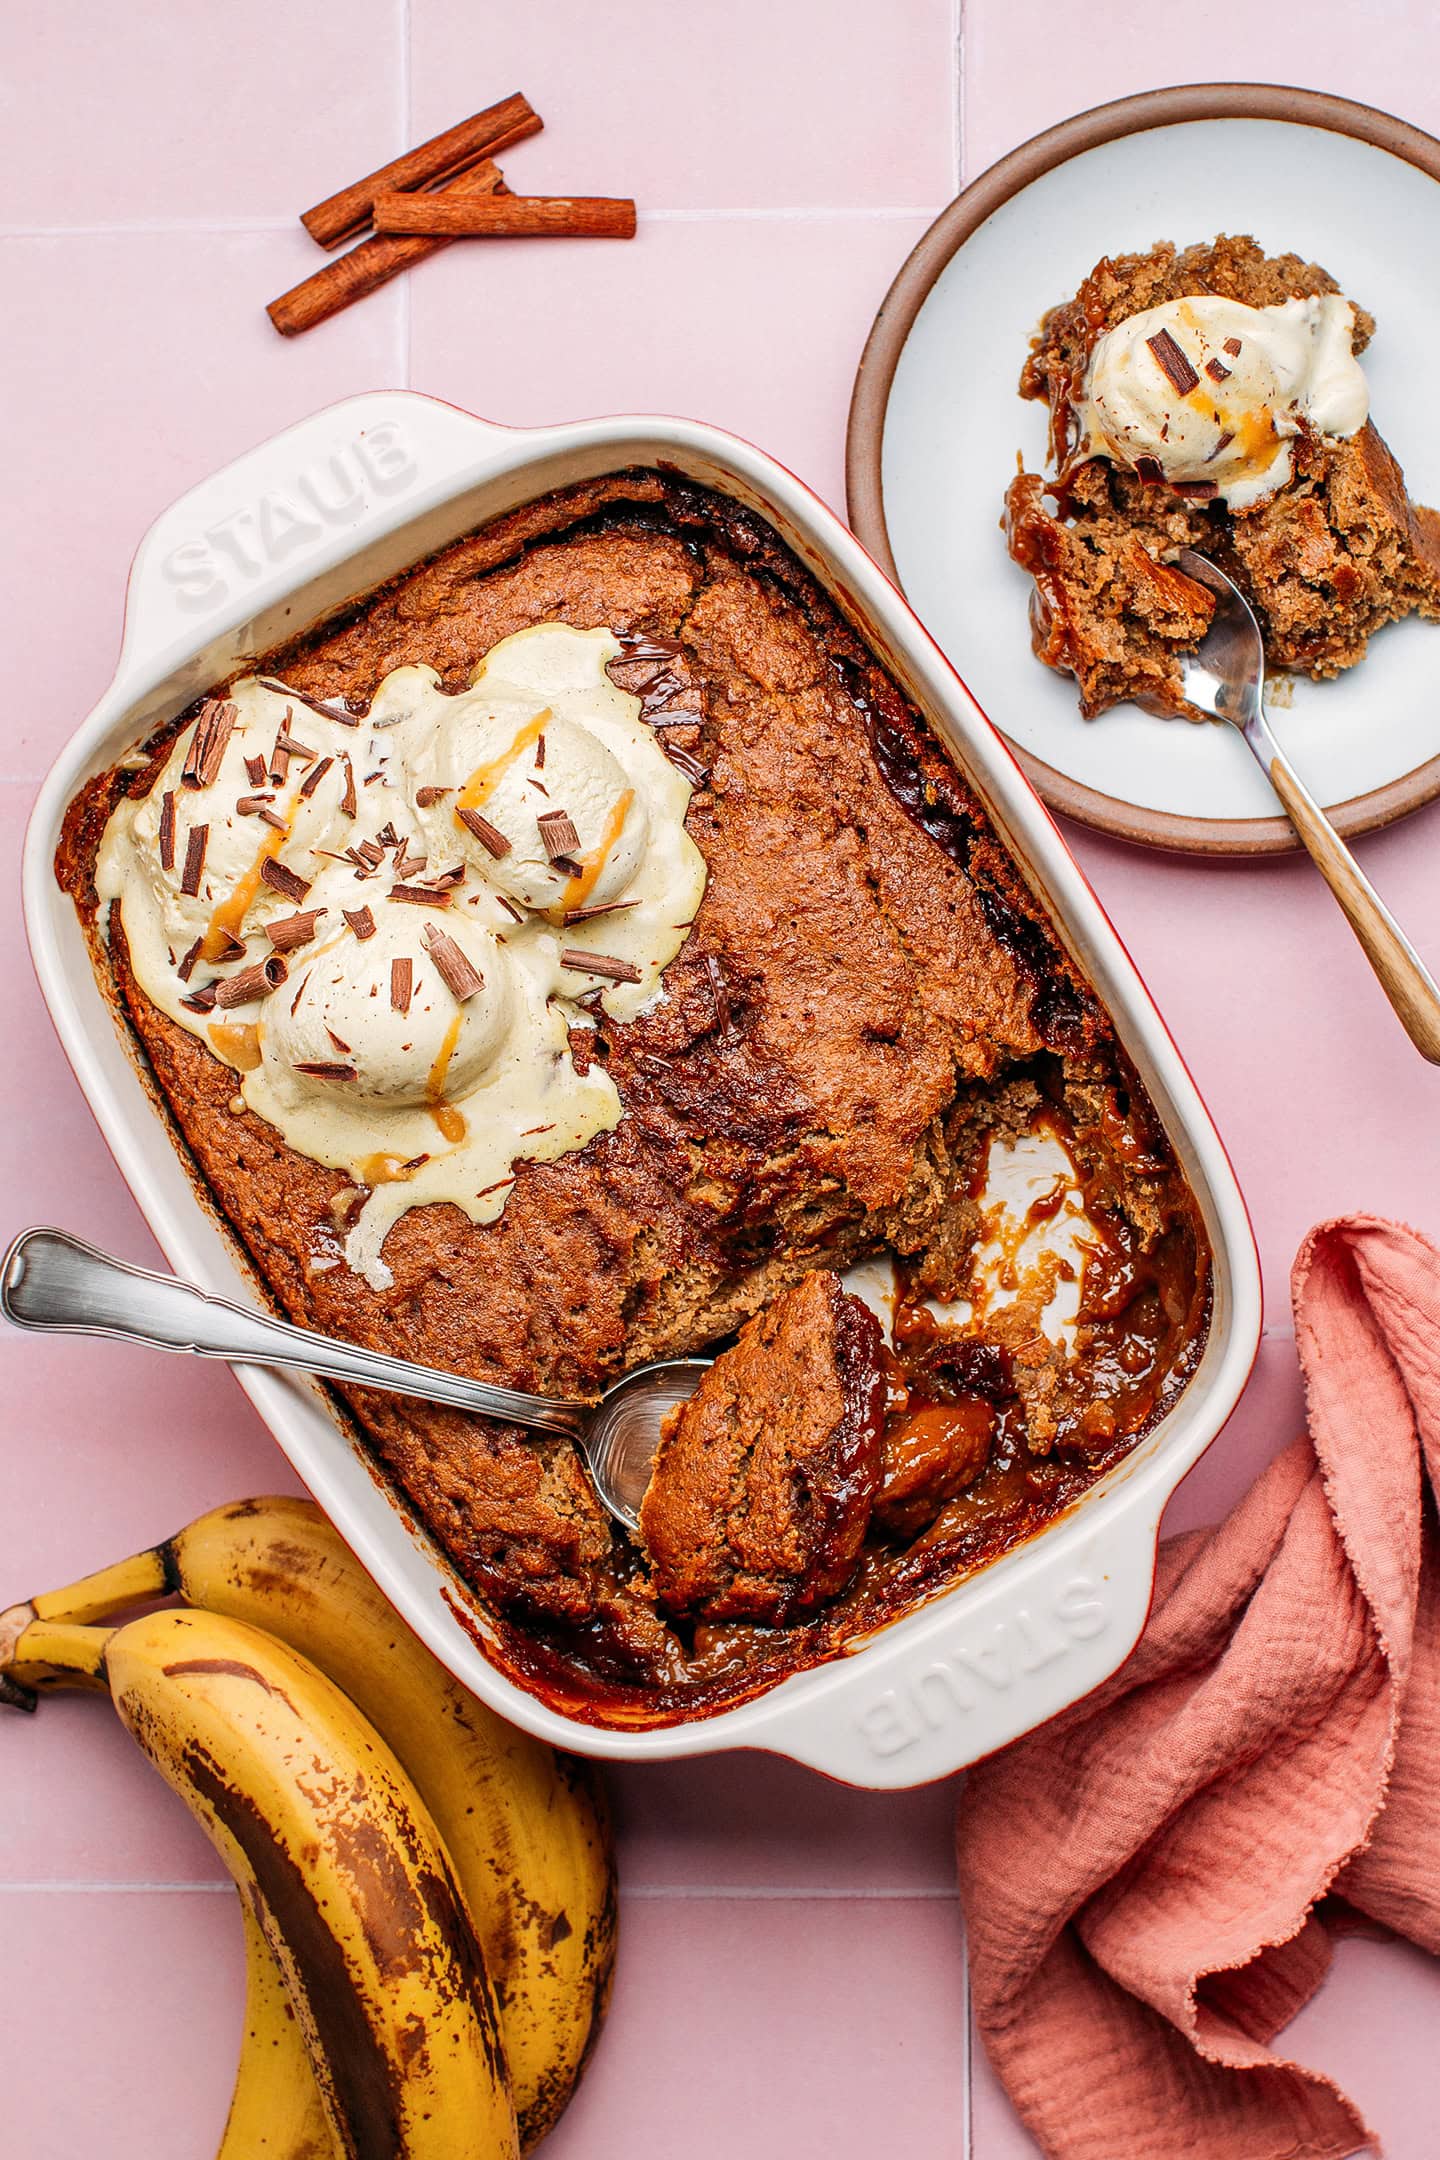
[337, 1859]
[526, 1829]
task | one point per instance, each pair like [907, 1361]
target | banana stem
[114, 1589]
[53, 1654]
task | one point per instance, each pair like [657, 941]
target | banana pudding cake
[1210, 399]
[579, 953]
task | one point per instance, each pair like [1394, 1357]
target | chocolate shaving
[388, 837]
[696, 773]
[338, 710]
[455, 875]
[427, 797]
[599, 963]
[252, 982]
[568, 866]
[255, 770]
[323, 1069]
[588, 914]
[167, 830]
[510, 908]
[558, 835]
[282, 879]
[1196, 490]
[540, 751]
[498, 1186]
[1217, 371]
[279, 755]
[203, 999]
[1149, 468]
[288, 931]
[490, 836]
[1232, 346]
[720, 993]
[232, 948]
[315, 775]
[186, 967]
[1173, 362]
[339, 1041]
[369, 852]
[361, 921]
[402, 982]
[644, 645]
[1224, 443]
[292, 748]
[194, 859]
[455, 969]
[409, 865]
[421, 895]
[260, 806]
[213, 730]
[349, 801]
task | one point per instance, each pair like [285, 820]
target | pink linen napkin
[1142, 1878]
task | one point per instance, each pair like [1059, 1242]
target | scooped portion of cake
[764, 1481]
[1212, 399]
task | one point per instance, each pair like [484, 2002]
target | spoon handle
[57, 1283]
[1403, 975]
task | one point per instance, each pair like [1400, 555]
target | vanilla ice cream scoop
[200, 844]
[375, 1020]
[1209, 394]
[532, 800]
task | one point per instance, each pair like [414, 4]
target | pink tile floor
[793, 1973]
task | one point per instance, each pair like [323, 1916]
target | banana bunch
[430, 1917]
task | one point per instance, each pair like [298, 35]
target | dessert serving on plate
[1211, 399]
[577, 953]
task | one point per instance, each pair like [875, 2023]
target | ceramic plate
[936, 424]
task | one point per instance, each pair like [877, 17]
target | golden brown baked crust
[1326, 561]
[865, 967]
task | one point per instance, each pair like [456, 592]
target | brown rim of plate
[912, 287]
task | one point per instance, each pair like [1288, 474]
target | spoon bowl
[58, 1284]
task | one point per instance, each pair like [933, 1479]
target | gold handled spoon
[1226, 678]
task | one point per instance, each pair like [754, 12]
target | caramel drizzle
[483, 782]
[579, 889]
[446, 1116]
[224, 924]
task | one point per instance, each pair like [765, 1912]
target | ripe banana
[276, 2112]
[526, 1829]
[341, 1867]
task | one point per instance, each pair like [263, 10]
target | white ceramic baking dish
[320, 515]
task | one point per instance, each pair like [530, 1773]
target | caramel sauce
[447, 1117]
[225, 922]
[383, 1169]
[237, 1042]
[579, 889]
[483, 782]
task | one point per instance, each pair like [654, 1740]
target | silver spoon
[1226, 678]
[61, 1285]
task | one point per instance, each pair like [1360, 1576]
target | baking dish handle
[309, 498]
[997, 1657]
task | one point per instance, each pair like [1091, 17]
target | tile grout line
[641, 1893]
[798, 212]
[404, 311]
[957, 109]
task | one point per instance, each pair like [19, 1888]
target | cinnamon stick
[484, 135]
[508, 217]
[370, 265]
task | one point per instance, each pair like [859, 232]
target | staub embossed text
[988, 1661]
[255, 536]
